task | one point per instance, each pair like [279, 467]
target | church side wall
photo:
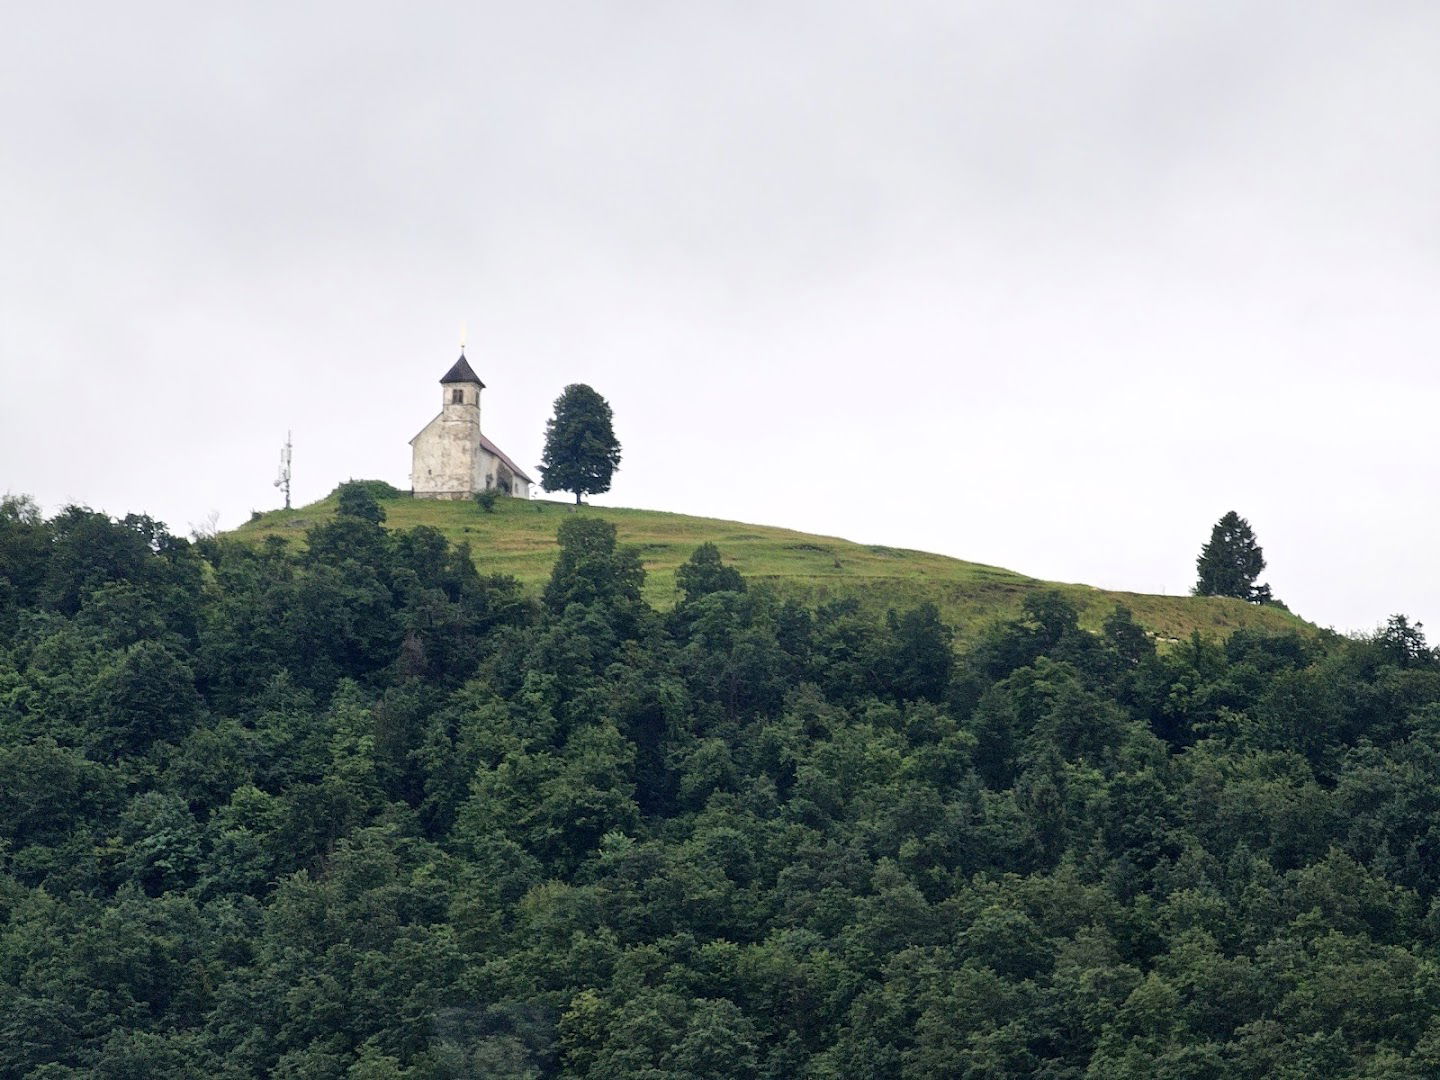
[485, 466]
[490, 471]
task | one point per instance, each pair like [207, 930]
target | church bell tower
[461, 388]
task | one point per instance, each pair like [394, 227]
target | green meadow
[518, 538]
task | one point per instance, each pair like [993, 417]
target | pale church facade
[451, 458]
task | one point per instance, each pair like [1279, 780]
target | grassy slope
[519, 539]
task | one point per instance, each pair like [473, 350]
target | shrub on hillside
[377, 489]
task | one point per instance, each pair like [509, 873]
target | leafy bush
[377, 489]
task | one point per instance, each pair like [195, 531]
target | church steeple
[457, 384]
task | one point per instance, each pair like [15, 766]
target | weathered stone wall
[444, 453]
[490, 472]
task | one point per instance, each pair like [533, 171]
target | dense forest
[362, 811]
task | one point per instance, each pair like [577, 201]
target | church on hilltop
[451, 458]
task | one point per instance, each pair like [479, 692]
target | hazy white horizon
[1047, 286]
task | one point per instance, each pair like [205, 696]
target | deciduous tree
[581, 451]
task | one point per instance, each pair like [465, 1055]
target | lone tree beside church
[581, 451]
[1231, 561]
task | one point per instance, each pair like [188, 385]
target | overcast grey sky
[1046, 285]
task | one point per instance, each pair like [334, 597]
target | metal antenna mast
[284, 482]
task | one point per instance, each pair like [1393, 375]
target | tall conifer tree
[1231, 562]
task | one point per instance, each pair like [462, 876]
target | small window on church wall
[457, 396]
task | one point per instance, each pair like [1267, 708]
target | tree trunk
[577, 498]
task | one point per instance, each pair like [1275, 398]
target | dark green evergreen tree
[592, 568]
[1231, 561]
[581, 451]
[356, 498]
[923, 653]
[704, 573]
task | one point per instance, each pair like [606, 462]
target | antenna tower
[283, 483]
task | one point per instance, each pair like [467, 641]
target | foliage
[361, 810]
[380, 490]
[357, 499]
[486, 499]
[705, 573]
[581, 452]
[1231, 561]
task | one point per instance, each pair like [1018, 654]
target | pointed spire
[462, 372]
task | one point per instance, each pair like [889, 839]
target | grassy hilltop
[519, 538]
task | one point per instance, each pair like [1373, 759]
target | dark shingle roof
[462, 372]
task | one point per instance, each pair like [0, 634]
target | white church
[451, 457]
